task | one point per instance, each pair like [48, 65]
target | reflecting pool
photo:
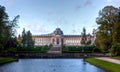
[49, 65]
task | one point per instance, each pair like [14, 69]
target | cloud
[109, 0]
[78, 7]
[37, 27]
[88, 2]
[61, 21]
[50, 11]
[117, 1]
[10, 3]
[74, 31]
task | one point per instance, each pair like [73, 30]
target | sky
[44, 16]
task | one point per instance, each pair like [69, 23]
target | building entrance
[57, 41]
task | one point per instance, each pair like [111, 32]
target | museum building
[57, 38]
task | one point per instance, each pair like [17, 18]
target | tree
[12, 43]
[27, 38]
[83, 39]
[3, 26]
[7, 27]
[30, 42]
[19, 40]
[108, 16]
[24, 37]
[116, 30]
[115, 49]
[86, 39]
[13, 25]
[116, 33]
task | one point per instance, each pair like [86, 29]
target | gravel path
[109, 59]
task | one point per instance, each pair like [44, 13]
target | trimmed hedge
[36, 49]
[80, 49]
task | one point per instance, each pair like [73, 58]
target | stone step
[54, 51]
[56, 45]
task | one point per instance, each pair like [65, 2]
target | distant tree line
[108, 31]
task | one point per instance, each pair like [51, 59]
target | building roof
[58, 31]
[43, 35]
[72, 35]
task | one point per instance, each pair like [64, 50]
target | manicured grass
[117, 57]
[104, 64]
[6, 60]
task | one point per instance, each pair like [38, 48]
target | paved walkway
[109, 59]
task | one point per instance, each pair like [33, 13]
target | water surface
[49, 65]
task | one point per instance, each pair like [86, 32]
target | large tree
[116, 33]
[107, 18]
[3, 26]
[7, 27]
[106, 21]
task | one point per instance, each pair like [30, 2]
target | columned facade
[57, 40]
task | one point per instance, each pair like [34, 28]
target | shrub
[50, 45]
[96, 50]
[36, 49]
[115, 50]
[86, 49]
[1, 47]
[11, 50]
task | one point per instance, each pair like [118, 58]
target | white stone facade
[57, 38]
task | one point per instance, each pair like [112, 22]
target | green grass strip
[6, 60]
[104, 64]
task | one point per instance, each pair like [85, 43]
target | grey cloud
[88, 2]
[78, 7]
[37, 28]
[74, 31]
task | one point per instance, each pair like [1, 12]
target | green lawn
[6, 60]
[104, 64]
